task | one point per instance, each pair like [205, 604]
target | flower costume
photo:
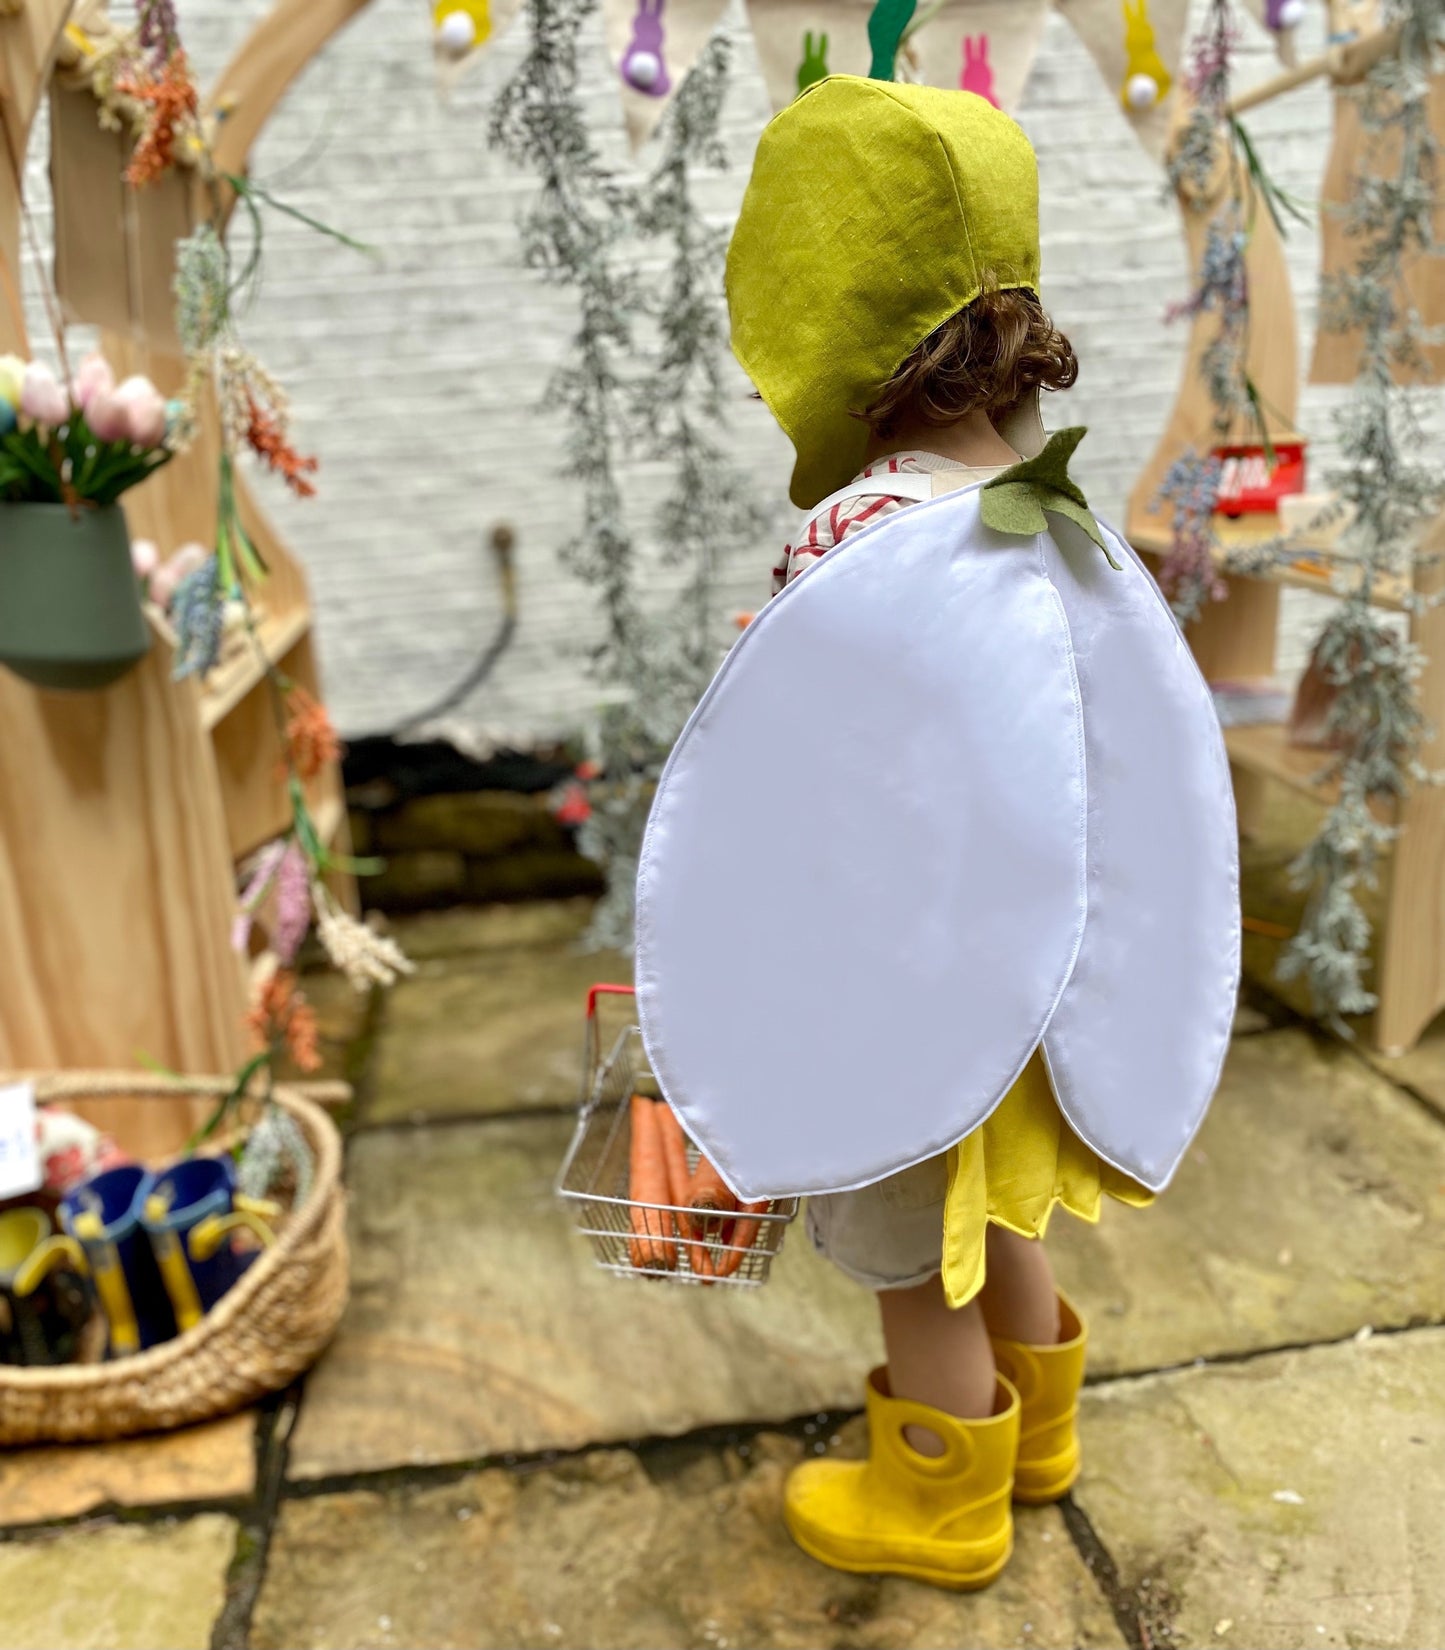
[995, 966]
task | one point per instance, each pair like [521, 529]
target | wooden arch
[122, 813]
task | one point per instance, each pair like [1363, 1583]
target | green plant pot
[70, 614]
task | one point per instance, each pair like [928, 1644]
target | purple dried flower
[1223, 280]
[197, 610]
[1211, 54]
[158, 31]
[292, 913]
[263, 872]
[1189, 575]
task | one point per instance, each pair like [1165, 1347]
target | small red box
[1251, 485]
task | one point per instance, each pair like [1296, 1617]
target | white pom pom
[1291, 13]
[643, 69]
[1141, 92]
[456, 33]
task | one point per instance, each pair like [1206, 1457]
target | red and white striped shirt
[823, 532]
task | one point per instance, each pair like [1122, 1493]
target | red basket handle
[596, 991]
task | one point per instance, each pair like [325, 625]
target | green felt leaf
[1049, 468]
[1017, 499]
[1012, 509]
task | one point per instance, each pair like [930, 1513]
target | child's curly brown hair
[985, 358]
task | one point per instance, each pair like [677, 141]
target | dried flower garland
[1213, 137]
[142, 82]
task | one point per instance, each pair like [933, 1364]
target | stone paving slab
[212, 1462]
[116, 1586]
[492, 1020]
[683, 1549]
[1310, 1206]
[1312, 1203]
[482, 930]
[478, 1324]
[1421, 1070]
[1290, 1501]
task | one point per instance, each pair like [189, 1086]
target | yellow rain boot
[1048, 1379]
[943, 1519]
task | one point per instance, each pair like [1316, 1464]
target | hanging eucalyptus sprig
[1375, 718]
[678, 414]
[570, 233]
[581, 230]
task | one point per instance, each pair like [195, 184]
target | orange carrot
[710, 1201]
[674, 1149]
[650, 1245]
[740, 1238]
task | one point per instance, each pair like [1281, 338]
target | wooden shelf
[235, 676]
[1241, 533]
[1264, 749]
[103, 954]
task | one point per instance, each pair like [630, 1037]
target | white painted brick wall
[420, 378]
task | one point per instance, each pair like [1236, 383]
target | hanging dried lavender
[1191, 486]
[1214, 165]
[1375, 718]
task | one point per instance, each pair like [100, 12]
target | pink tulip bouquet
[87, 443]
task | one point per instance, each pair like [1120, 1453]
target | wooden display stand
[123, 813]
[1235, 639]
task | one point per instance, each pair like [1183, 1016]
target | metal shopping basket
[649, 1240]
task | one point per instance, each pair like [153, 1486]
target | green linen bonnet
[875, 211]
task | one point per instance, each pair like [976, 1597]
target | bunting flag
[800, 41]
[653, 44]
[983, 46]
[462, 30]
[1137, 46]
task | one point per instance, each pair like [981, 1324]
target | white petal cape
[952, 794]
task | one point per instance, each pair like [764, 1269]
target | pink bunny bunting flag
[461, 32]
[1137, 46]
[983, 46]
[653, 44]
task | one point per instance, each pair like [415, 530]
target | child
[970, 780]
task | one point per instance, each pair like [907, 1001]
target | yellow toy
[461, 25]
[110, 1284]
[1146, 80]
[171, 1260]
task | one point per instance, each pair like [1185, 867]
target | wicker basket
[261, 1335]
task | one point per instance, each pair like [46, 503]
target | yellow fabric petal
[1014, 1170]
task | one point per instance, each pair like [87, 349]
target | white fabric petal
[861, 891]
[1136, 1044]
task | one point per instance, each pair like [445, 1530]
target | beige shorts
[888, 1235]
